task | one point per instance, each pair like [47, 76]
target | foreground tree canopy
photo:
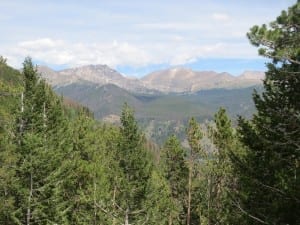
[60, 166]
[280, 40]
[268, 172]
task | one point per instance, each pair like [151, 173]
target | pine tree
[83, 179]
[29, 148]
[194, 136]
[221, 178]
[135, 165]
[159, 203]
[279, 41]
[175, 171]
[8, 179]
[9, 92]
[39, 121]
[268, 173]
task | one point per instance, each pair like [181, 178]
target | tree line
[60, 166]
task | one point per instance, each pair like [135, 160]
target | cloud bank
[130, 33]
[115, 53]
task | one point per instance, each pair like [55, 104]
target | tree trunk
[95, 203]
[21, 120]
[126, 217]
[28, 216]
[114, 204]
[208, 199]
[170, 219]
[44, 115]
[188, 218]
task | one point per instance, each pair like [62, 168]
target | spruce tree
[38, 146]
[136, 166]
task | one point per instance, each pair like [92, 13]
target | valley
[163, 100]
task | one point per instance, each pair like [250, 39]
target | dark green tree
[84, 178]
[136, 165]
[10, 87]
[268, 172]
[279, 41]
[39, 140]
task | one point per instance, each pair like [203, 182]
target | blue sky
[134, 36]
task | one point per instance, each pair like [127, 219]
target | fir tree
[135, 164]
[39, 119]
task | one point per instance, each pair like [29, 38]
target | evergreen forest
[60, 166]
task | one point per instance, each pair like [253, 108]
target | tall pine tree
[39, 119]
[269, 171]
[136, 167]
[175, 171]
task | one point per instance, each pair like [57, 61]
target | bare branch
[248, 214]
[137, 212]
[282, 58]
[106, 211]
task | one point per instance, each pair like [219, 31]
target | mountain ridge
[177, 79]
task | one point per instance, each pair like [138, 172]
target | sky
[135, 37]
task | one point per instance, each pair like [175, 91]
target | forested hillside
[161, 115]
[60, 166]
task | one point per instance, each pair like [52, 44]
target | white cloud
[222, 17]
[115, 53]
[146, 32]
[58, 52]
[43, 43]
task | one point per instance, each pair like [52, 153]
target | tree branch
[282, 58]
[248, 214]
[106, 211]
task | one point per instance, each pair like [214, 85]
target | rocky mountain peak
[252, 75]
[176, 79]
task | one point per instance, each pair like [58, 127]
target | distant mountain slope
[252, 75]
[163, 100]
[162, 114]
[171, 80]
[201, 105]
[102, 100]
[97, 74]
[186, 80]
[108, 99]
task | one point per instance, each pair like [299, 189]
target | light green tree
[194, 158]
[175, 171]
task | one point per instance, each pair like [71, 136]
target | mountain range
[163, 100]
[176, 80]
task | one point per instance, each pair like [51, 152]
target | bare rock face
[170, 80]
[97, 74]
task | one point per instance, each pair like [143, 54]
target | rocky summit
[173, 80]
